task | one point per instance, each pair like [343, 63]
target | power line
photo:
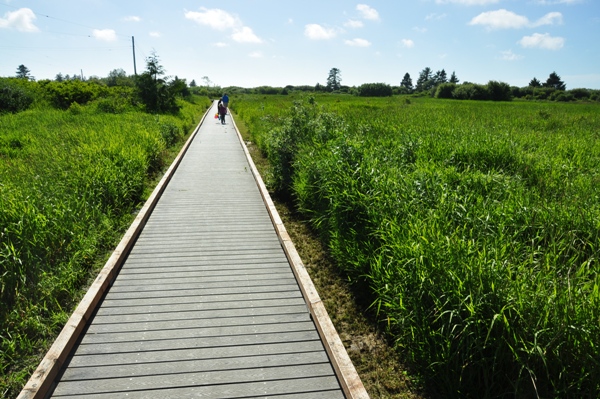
[61, 20]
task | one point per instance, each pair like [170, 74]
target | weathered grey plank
[186, 293]
[202, 332]
[188, 343]
[209, 378]
[199, 306]
[306, 388]
[188, 283]
[188, 354]
[194, 366]
[199, 314]
[165, 325]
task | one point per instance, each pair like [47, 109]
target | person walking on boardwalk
[225, 99]
[222, 110]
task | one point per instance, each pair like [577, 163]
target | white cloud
[352, 23]
[500, 19]
[504, 19]
[407, 43]
[358, 43]
[155, 34]
[435, 17]
[368, 12]
[215, 18]
[221, 44]
[420, 30]
[468, 2]
[21, 20]
[132, 18]
[317, 32]
[107, 35]
[256, 54]
[544, 41]
[508, 55]
[245, 35]
[218, 19]
[549, 19]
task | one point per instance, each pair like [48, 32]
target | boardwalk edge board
[42, 379]
[343, 366]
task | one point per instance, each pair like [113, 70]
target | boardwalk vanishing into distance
[205, 298]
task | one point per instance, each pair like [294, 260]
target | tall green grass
[70, 183]
[474, 227]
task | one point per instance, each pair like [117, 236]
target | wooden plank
[200, 314]
[301, 388]
[195, 306]
[204, 342]
[196, 332]
[188, 354]
[186, 284]
[209, 378]
[180, 324]
[194, 366]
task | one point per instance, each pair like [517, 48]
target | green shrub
[499, 91]
[445, 90]
[63, 94]
[14, 97]
[375, 90]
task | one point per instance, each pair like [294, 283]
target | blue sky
[251, 43]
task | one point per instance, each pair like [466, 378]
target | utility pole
[133, 45]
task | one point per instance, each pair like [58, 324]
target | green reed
[473, 226]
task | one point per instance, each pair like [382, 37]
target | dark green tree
[334, 79]
[154, 90]
[554, 82]
[24, 73]
[535, 83]
[118, 77]
[440, 77]
[59, 77]
[193, 83]
[406, 85]
[425, 80]
[453, 78]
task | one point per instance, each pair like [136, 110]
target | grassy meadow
[473, 227]
[70, 183]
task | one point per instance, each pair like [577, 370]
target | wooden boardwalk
[206, 304]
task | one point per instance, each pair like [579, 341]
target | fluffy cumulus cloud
[214, 18]
[106, 35]
[368, 12]
[21, 20]
[543, 41]
[358, 43]
[504, 19]
[245, 35]
[221, 20]
[318, 32]
[155, 34]
[407, 43]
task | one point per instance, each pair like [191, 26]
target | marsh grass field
[70, 184]
[473, 228]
